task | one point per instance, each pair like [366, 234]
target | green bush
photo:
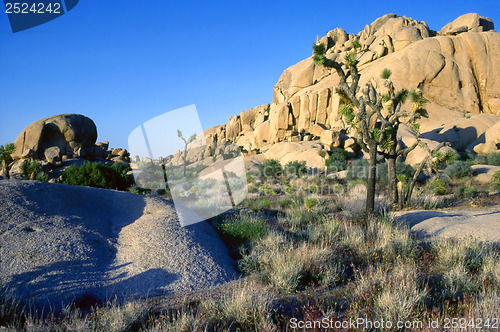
[467, 192]
[261, 204]
[29, 169]
[98, 175]
[42, 176]
[438, 186]
[295, 168]
[337, 161]
[270, 168]
[495, 180]
[493, 158]
[242, 229]
[444, 159]
[458, 169]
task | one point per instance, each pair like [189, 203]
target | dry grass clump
[466, 266]
[391, 292]
[287, 265]
[246, 306]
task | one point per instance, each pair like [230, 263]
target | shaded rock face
[456, 68]
[67, 132]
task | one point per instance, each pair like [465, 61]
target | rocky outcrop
[456, 68]
[487, 142]
[466, 23]
[59, 141]
[67, 132]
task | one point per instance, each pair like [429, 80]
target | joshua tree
[375, 117]
[6, 158]
[354, 109]
[391, 103]
[186, 143]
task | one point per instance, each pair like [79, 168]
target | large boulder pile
[456, 68]
[62, 140]
[65, 132]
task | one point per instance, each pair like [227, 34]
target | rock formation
[456, 68]
[62, 140]
[67, 132]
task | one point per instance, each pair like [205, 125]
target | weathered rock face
[456, 69]
[68, 132]
[467, 22]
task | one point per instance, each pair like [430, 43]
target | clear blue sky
[122, 62]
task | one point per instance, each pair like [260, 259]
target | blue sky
[123, 62]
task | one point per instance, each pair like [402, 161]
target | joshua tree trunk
[372, 174]
[393, 189]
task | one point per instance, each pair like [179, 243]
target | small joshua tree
[186, 143]
[6, 158]
[375, 117]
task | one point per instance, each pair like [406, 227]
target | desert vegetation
[305, 251]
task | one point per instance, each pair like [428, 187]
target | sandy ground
[59, 243]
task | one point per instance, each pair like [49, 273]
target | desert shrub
[285, 203]
[493, 158]
[296, 168]
[392, 293]
[337, 161]
[444, 159]
[242, 228]
[270, 168]
[309, 203]
[288, 266]
[42, 176]
[248, 305]
[466, 265]
[495, 180]
[467, 192]
[29, 169]
[96, 175]
[458, 169]
[438, 186]
[427, 202]
[261, 204]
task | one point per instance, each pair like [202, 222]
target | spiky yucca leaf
[387, 144]
[343, 95]
[319, 49]
[376, 134]
[347, 113]
[386, 73]
[402, 95]
[318, 60]
[423, 112]
[350, 60]
[356, 44]
[386, 97]
[417, 97]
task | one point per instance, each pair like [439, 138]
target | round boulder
[68, 132]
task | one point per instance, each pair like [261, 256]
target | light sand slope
[60, 242]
